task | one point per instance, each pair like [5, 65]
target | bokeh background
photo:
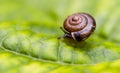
[53, 12]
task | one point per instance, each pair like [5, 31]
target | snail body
[78, 26]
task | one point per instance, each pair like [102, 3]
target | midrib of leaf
[17, 63]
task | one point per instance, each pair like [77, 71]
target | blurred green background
[53, 12]
[29, 21]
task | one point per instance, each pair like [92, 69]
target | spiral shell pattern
[78, 21]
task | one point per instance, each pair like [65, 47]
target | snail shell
[79, 26]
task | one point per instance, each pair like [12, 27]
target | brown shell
[80, 25]
[78, 21]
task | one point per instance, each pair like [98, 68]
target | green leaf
[29, 32]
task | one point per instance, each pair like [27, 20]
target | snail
[78, 26]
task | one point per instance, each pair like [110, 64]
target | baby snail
[78, 26]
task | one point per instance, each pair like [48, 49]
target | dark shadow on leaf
[79, 45]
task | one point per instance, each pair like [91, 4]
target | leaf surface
[29, 32]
